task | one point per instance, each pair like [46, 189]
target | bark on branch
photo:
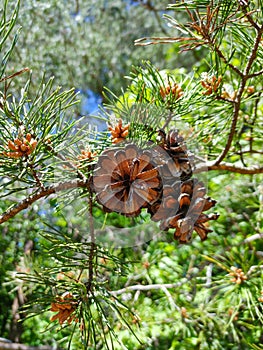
[244, 78]
[253, 238]
[229, 167]
[148, 287]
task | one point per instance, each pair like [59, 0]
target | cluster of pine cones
[158, 178]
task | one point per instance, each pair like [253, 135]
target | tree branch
[252, 124]
[253, 54]
[44, 192]
[237, 102]
[229, 167]
[255, 74]
[224, 59]
[253, 238]
[249, 17]
[148, 287]
[170, 299]
[15, 74]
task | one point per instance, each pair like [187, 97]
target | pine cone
[189, 216]
[177, 164]
[168, 204]
[126, 180]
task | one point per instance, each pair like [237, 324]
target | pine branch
[237, 102]
[253, 268]
[256, 74]
[249, 17]
[44, 192]
[35, 176]
[229, 167]
[252, 124]
[224, 59]
[140, 287]
[253, 238]
[170, 299]
[253, 54]
[15, 74]
[148, 287]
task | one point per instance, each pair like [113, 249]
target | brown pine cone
[190, 216]
[168, 204]
[126, 180]
[177, 164]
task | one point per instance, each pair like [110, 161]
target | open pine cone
[126, 180]
[173, 155]
[183, 199]
[168, 204]
[189, 216]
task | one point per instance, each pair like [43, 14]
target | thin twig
[253, 54]
[224, 59]
[15, 74]
[251, 126]
[249, 18]
[148, 287]
[18, 346]
[209, 275]
[170, 299]
[255, 74]
[245, 77]
[253, 268]
[249, 151]
[253, 238]
[160, 40]
[229, 167]
[168, 119]
[35, 176]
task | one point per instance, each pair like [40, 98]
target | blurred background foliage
[174, 296]
[89, 44]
